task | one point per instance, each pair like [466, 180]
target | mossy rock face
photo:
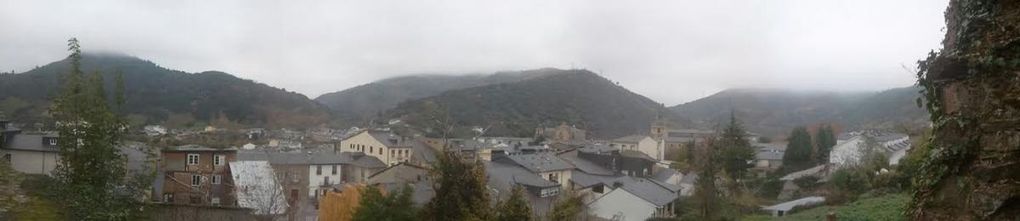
[972, 89]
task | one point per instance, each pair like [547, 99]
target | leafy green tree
[91, 173]
[825, 140]
[569, 207]
[375, 205]
[798, 151]
[515, 208]
[461, 192]
[735, 153]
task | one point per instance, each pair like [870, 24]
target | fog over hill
[776, 111]
[156, 94]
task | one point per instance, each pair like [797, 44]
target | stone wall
[972, 89]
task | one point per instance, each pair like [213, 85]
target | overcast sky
[672, 51]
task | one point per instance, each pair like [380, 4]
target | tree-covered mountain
[369, 100]
[775, 112]
[576, 97]
[154, 94]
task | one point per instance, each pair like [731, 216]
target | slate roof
[636, 154]
[403, 173]
[597, 148]
[364, 161]
[387, 138]
[506, 175]
[196, 148]
[585, 165]
[654, 192]
[630, 139]
[422, 152]
[663, 174]
[294, 158]
[31, 142]
[587, 180]
[540, 162]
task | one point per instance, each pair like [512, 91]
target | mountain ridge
[577, 97]
[155, 94]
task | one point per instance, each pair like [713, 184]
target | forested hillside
[154, 94]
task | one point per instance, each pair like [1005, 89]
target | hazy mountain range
[775, 111]
[509, 103]
[159, 95]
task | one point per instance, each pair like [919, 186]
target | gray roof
[387, 138]
[636, 154]
[294, 158]
[663, 174]
[423, 153]
[597, 148]
[654, 192]
[401, 173]
[679, 139]
[630, 139]
[541, 162]
[364, 161]
[587, 180]
[506, 175]
[196, 148]
[769, 154]
[585, 165]
[31, 142]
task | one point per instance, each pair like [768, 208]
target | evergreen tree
[461, 192]
[516, 208]
[824, 141]
[736, 153]
[91, 172]
[569, 207]
[377, 206]
[798, 151]
[706, 202]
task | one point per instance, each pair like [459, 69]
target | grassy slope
[886, 207]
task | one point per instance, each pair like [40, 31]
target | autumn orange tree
[341, 206]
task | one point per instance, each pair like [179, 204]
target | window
[554, 178]
[192, 159]
[53, 141]
[168, 197]
[196, 180]
[215, 201]
[318, 169]
[334, 170]
[371, 149]
[216, 179]
[218, 160]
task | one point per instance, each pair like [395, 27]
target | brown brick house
[196, 175]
